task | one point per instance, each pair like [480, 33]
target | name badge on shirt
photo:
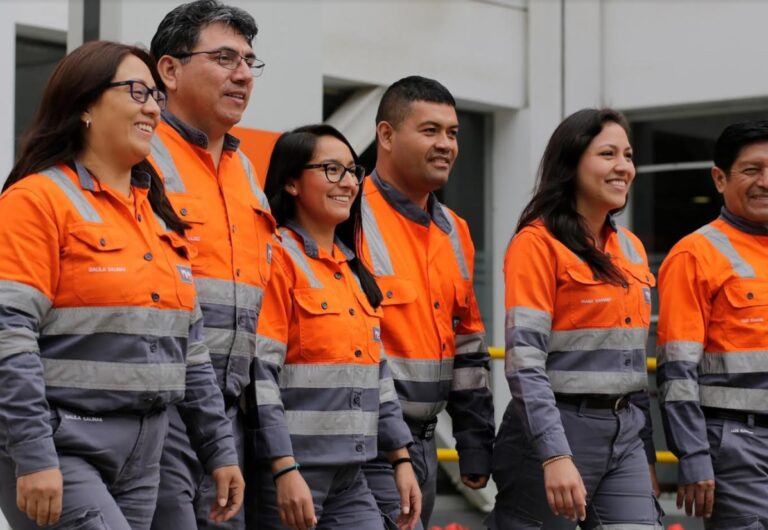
[647, 294]
[376, 334]
[185, 273]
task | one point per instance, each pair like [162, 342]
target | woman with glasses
[326, 400]
[99, 325]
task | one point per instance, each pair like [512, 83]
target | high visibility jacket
[97, 314]
[570, 333]
[712, 334]
[435, 340]
[232, 229]
[324, 391]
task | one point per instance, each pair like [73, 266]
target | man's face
[745, 188]
[207, 95]
[424, 147]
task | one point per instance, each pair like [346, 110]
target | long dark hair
[291, 153]
[57, 134]
[554, 200]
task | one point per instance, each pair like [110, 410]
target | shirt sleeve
[393, 432]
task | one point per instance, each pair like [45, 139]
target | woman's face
[121, 128]
[605, 172]
[319, 203]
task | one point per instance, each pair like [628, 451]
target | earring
[87, 124]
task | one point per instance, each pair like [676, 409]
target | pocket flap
[180, 244]
[396, 291]
[189, 209]
[581, 273]
[317, 301]
[642, 275]
[746, 293]
[99, 237]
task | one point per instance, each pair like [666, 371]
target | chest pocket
[191, 210]
[263, 244]
[96, 264]
[400, 312]
[740, 312]
[641, 285]
[180, 258]
[321, 332]
[591, 302]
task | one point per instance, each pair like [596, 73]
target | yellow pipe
[498, 354]
[450, 455]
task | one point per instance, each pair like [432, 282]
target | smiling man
[422, 256]
[713, 343]
[206, 62]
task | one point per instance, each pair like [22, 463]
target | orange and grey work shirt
[712, 334]
[568, 332]
[232, 229]
[423, 261]
[324, 391]
[97, 315]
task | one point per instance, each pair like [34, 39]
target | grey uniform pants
[187, 492]
[111, 468]
[609, 455]
[740, 460]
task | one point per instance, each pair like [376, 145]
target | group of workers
[182, 348]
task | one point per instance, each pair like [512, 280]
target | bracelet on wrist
[555, 459]
[282, 471]
[400, 461]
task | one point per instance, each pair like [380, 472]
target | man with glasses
[206, 62]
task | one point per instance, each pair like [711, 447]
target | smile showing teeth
[144, 127]
[340, 198]
[617, 183]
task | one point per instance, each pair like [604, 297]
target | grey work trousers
[609, 455]
[111, 469]
[740, 459]
[187, 492]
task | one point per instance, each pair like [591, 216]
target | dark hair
[394, 104]
[554, 200]
[291, 153]
[736, 137]
[179, 30]
[57, 134]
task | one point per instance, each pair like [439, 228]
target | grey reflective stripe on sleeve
[721, 242]
[526, 317]
[24, 298]
[470, 343]
[387, 390]
[627, 247]
[421, 370]
[625, 526]
[17, 340]
[743, 399]
[229, 342]
[679, 350]
[331, 423]
[299, 258]
[128, 320]
[679, 390]
[614, 383]
[164, 161]
[197, 353]
[270, 350]
[267, 393]
[470, 378]
[382, 264]
[225, 292]
[75, 195]
[598, 339]
[197, 312]
[456, 244]
[128, 377]
[255, 189]
[519, 357]
[417, 410]
[329, 376]
[734, 363]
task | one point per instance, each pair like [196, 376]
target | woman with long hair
[326, 399]
[575, 442]
[99, 324]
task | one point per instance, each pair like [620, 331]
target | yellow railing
[450, 455]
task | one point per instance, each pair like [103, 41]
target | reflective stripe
[721, 242]
[197, 312]
[598, 339]
[75, 195]
[417, 410]
[734, 363]
[679, 350]
[270, 350]
[456, 244]
[421, 370]
[734, 398]
[627, 526]
[164, 161]
[470, 378]
[127, 377]
[299, 258]
[470, 343]
[526, 317]
[382, 264]
[267, 393]
[627, 248]
[679, 390]
[17, 340]
[197, 353]
[24, 298]
[614, 383]
[329, 376]
[319, 423]
[255, 189]
[229, 293]
[229, 342]
[128, 320]
[387, 390]
[519, 357]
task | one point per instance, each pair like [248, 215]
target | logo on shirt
[185, 273]
[269, 254]
[647, 294]
[376, 334]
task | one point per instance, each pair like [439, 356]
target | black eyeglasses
[140, 92]
[334, 171]
[229, 59]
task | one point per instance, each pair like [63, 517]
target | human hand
[39, 495]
